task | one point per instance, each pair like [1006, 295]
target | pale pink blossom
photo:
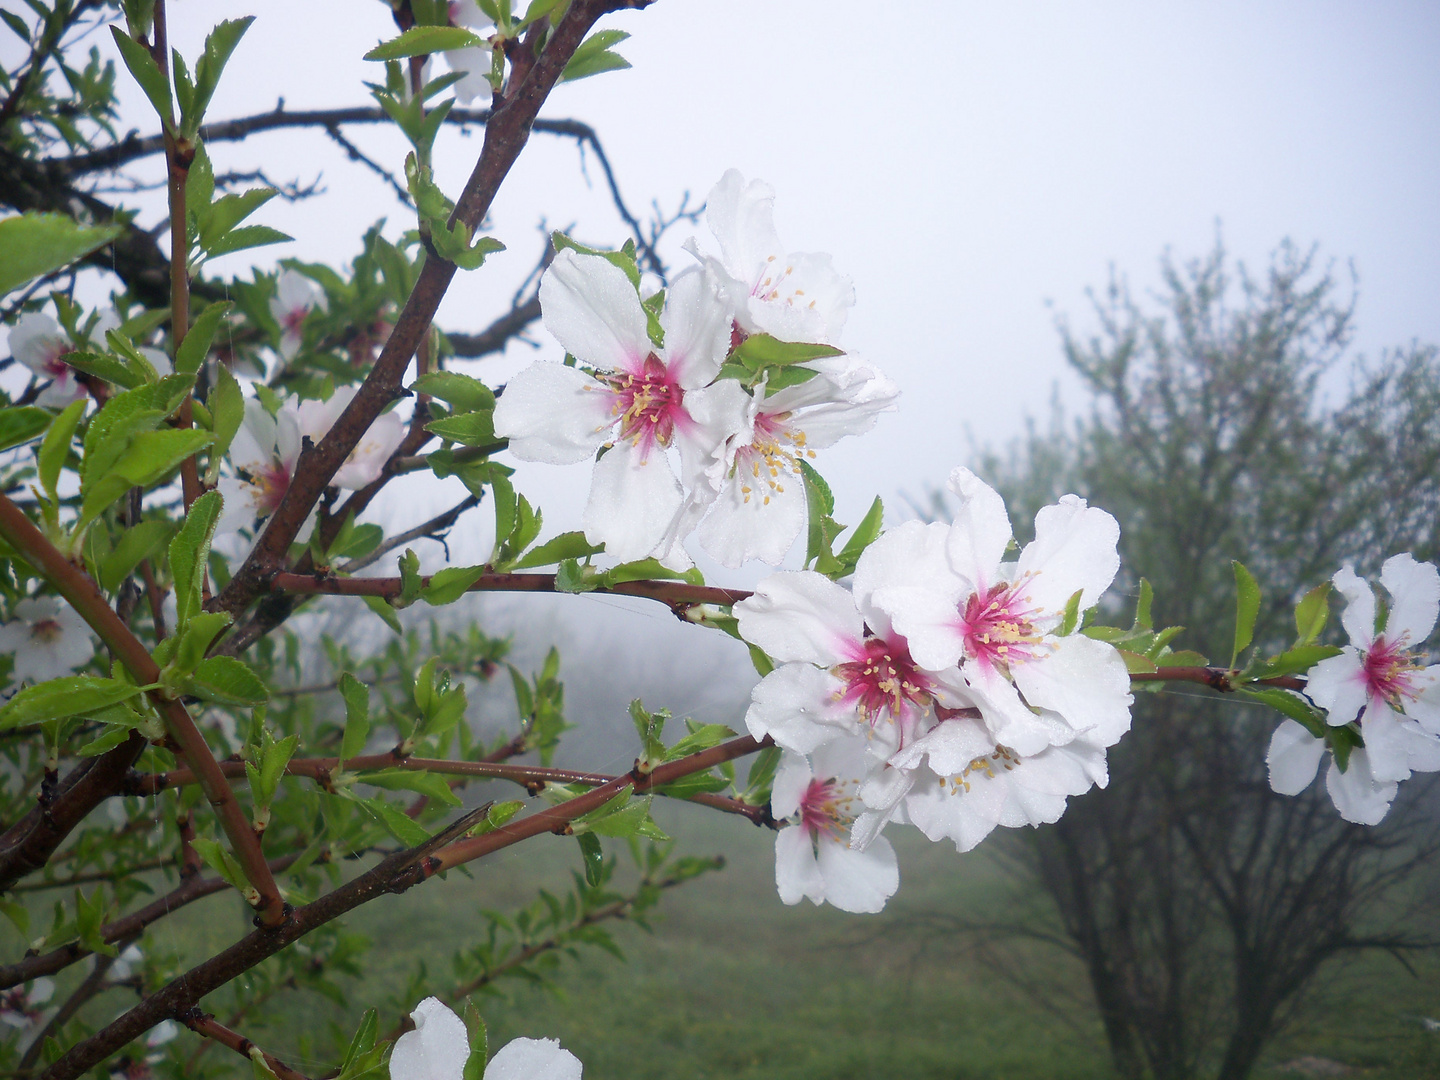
[439, 1047]
[814, 858]
[630, 397]
[264, 453]
[47, 638]
[38, 342]
[296, 296]
[792, 296]
[367, 461]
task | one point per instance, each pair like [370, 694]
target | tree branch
[208, 1027]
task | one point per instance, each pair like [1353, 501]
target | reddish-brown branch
[208, 1027]
[125, 927]
[676, 594]
[83, 595]
[1221, 680]
[397, 873]
[505, 136]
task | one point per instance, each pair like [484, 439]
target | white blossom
[792, 296]
[755, 482]
[295, 297]
[473, 60]
[439, 1047]
[47, 638]
[813, 856]
[367, 461]
[631, 397]
[38, 342]
[264, 453]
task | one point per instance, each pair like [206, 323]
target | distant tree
[1200, 902]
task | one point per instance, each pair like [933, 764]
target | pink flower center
[825, 809]
[775, 452]
[999, 626]
[650, 404]
[46, 631]
[268, 486]
[294, 319]
[1389, 672]
[776, 286]
[884, 680]
[54, 364]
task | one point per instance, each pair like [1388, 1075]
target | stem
[677, 594]
[395, 874]
[82, 595]
[208, 1027]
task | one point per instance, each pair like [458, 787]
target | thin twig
[426, 529]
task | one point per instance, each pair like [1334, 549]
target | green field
[734, 984]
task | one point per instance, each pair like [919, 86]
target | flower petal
[1358, 796]
[796, 706]
[1337, 685]
[436, 1050]
[632, 502]
[594, 312]
[758, 523]
[1414, 589]
[1083, 680]
[856, 880]
[1293, 758]
[1358, 618]
[1074, 550]
[696, 321]
[553, 413]
[980, 531]
[533, 1059]
[797, 875]
[801, 616]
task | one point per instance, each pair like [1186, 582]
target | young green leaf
[1312, 613]
[147, 73]
[1247, 609]
[73, 695]
[357, 716]
[227, 681]
[188, 553]
[56, 447]
[196, 346]
[32, 245]
[423, 40]
[23, 423]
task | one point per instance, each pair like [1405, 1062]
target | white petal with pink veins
[594, 312]
[1337, 685]
[37, 341]
[696, 321]
[632, 502]
[1293, 758]
[1414, 589]
[1356, 793]
[801, 617]
[795, 705]
[1083, 680]
[1073, 551]
[555, 414]
[980, 531]
[1358, 618]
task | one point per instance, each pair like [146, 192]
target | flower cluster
[1378, 682]
[39, 342]
[946, 688]
[644, 386]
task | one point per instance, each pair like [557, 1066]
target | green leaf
[248, 236]
[411, 583]
[146, 72]
[479, 1043]
[1247, 609]
[469, 429]
[73, 695]
[357, 1061]
[227, 412]
[357, 716]
[431, 785]
[624, 260]
[196, 346]
[864, 535]
[1300, 658]
[594, 56]
[219, 45]
[226, 865]
[188, 553]
[701, 737]
[200, 632]
[23, 423]
[32, 245]
[1072, 614]
[762, 776]
[228, 211]
[396, 822]
[1292, 705]
[383, 608]
[423, 40]
[227, 681]
[569, 545]
[1312, 613]
[1142, 606]
[150, 456]
[761, 350]
[1135, 663]
[450, 584]
[261, 1070]
[463, 392]
[56, 448]
[593, 857]
[125, 373]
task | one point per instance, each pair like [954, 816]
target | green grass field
[734, 984]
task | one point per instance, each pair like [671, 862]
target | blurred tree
[1200, 902]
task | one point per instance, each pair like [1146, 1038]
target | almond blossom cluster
[945, 688]
[1379, 682]
[681, 443]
